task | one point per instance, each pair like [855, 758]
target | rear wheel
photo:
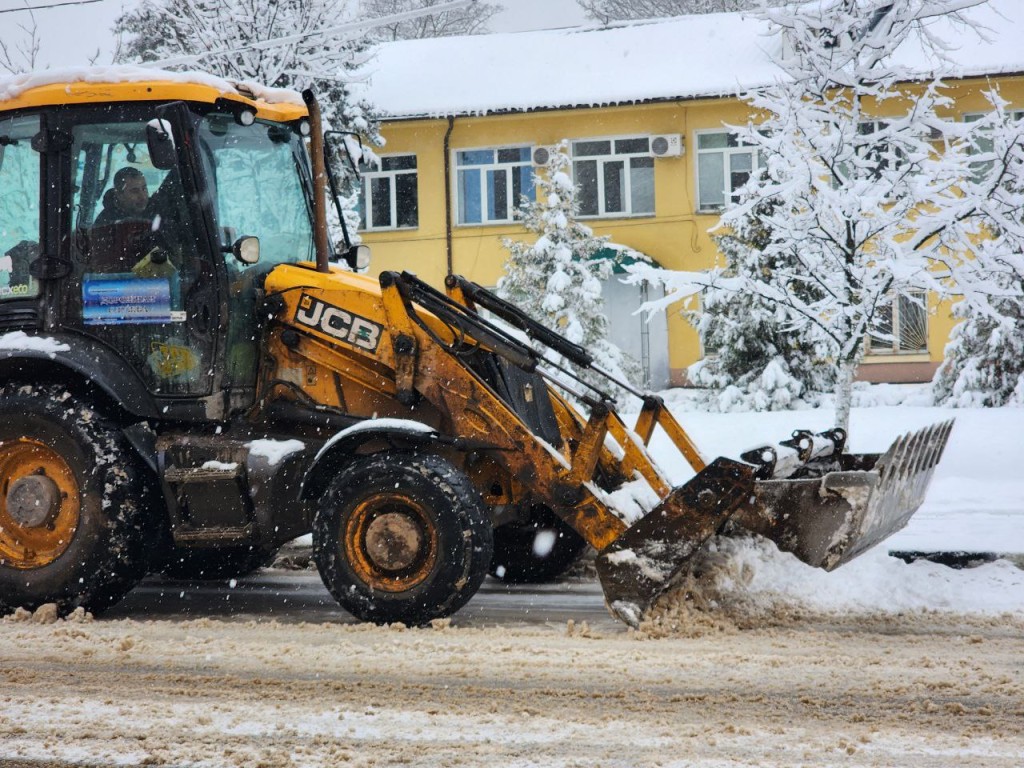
[535, 551]
[72, 521]
[217, 563]
[402, 537]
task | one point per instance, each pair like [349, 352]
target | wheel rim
[39, 504]
[391, 543]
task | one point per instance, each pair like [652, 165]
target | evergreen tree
[557, 280]
[984, 363]
[756, 360]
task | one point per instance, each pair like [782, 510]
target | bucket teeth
[828, 520]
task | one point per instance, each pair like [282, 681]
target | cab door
[143, 278]
[20, 233]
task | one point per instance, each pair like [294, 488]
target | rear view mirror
[247, 249]
[160, 140]
[357, 257]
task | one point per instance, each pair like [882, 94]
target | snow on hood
[708, 55]
[13, 86]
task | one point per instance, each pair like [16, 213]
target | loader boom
[430, 344]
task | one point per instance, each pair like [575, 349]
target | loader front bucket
[833, 508]
[828, 515]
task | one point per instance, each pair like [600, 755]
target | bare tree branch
[606, 11]
[465, 21]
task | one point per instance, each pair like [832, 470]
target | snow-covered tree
[876, 195]
[606, 11]
[470, 20]
[984, 363]
[985, 357]
[755, 360]
[235, 39]
[557, 279]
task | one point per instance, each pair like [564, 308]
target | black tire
[536, 551]
[87, 547]
[402, 537]
[199, 564]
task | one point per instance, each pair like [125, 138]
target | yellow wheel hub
[39, 504]
[390, 543]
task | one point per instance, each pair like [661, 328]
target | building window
[874, 152]
[615, 177]
[724, 164]
[902, 327]
[389, 198]
[984, 144]
[491, 183]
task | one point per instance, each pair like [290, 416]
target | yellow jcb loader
[189, 382]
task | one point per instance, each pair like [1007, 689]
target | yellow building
[645, 107]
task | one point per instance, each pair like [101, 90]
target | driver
[127, 199]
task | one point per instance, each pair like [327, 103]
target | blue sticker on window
[124, 299]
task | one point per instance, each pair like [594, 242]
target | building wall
[677, 235]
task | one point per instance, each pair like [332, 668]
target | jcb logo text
[336, 322]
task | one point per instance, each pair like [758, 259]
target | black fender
[345, 443]
[68, 358]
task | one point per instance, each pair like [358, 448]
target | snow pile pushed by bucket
[744, 582]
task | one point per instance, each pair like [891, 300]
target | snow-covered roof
[687, 57]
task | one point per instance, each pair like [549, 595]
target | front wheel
[73, 525]
[402, 537]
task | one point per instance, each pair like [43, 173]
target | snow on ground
[878, 664]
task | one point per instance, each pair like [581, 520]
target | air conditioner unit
[669, 145]
[541, 155]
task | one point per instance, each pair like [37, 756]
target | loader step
[203, 474]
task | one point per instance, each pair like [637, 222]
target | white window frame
[727, 152]
[366, 197]
[614, 156]
[894, 350]
[970, 117]
[511, 203]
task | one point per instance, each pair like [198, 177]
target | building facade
[646, 116]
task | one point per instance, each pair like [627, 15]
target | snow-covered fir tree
[471, 20]
[876, 197]
[235, 39]
[755, 360]
[984, 363]
[556, 279]
[606, 11]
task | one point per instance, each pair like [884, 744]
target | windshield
[259, 175]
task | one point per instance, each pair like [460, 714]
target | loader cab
[146, 228]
